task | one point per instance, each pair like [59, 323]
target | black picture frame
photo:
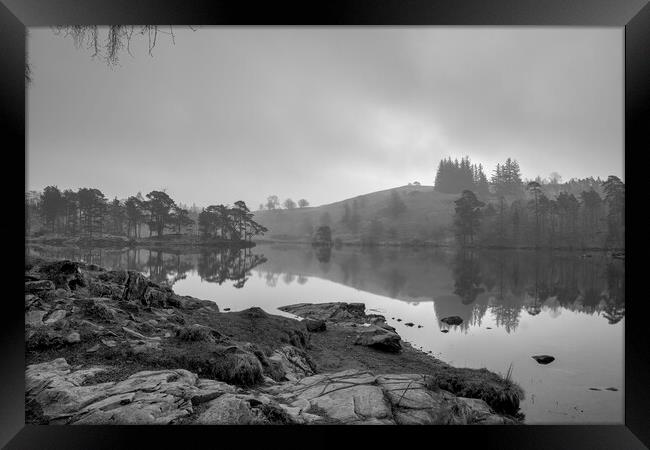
[633, 15]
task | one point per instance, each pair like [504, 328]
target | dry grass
[229, 364]
[195, 333]
[501, 394]
[43, 339]
[242, 369]
[97, 310]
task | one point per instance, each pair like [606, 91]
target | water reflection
[167, 267]
[227, 264]
[509, 284]
[514, 304]
[469, 284]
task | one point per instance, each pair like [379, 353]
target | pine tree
[615, 197]
[467, 219]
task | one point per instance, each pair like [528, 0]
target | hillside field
[427, 215]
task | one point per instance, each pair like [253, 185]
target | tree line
[456, 176]
[229, 223]
[87, 212]
[538, 220]
[273, 203]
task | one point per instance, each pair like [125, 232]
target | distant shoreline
[167, 241]
[446, 246]
[186, 241]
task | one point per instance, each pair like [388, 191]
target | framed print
[354, 214]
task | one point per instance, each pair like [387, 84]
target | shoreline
[192, 243]
[113, 326]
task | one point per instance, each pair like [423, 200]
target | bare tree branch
[118, 38]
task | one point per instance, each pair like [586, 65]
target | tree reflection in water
[512, 282]
[228, 264]
[470, 283]
[166, 266]
[467, 276]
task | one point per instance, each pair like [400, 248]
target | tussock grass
[459, 414]
[275, 415]
[270, 368]
[42, 339]
[242, 369]
[195, 333]
[228, 364]
[97, 310]
[501, 394]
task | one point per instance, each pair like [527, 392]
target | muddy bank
[113, 347]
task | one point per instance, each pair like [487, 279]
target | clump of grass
[43, 339]
[103, 290]
[97, 310]
[34, 412]
[501, 394]
[242, 369]
[228, 364]
[275, 415]
[195, 333]
[65, 274]
[508, 378]
[114, 276]
[270, 368]
[458, 414]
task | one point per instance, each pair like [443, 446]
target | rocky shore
[112, 347]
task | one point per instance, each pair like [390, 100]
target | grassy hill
[427, 216]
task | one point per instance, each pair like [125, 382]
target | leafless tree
[108, 43]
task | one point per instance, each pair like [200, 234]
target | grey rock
[452, 320]
[228, 409]
[55, 316]
[34, 318]
[38, 286]
[357, 397]
[211, 389]
[380, 321]
[315, 325]
[188, 302]
[379, 338]
[294, 362]
[73, 337]
[109, 342]
[332, 312]
[164, 397]
[150, 397]
[30, 300]
[134, 334]
[543, 359]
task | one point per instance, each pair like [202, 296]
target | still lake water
[514, 304]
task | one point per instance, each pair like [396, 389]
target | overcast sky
[322, 113]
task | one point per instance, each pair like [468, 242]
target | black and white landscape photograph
[324, 225]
